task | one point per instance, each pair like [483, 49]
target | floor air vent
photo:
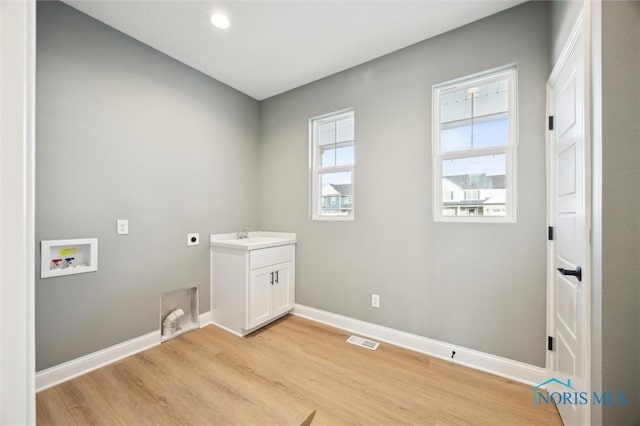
[359, 341]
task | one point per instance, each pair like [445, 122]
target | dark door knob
[575, 273]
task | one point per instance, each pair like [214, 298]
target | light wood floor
[280, 375]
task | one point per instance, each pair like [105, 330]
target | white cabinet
[282, 292]
[251, 287]
[270, 293]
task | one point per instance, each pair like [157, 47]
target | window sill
[333, 219]
[475, 220]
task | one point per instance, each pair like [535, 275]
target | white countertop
[256, 240]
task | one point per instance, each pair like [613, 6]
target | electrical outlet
[375, 300]
[193, 239]
[122, 227]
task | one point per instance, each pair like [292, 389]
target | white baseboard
[493, 364]
[205, 319]
[499, 366]
[79, 366]
[226, 329]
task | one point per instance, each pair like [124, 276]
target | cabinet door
[260, 301]
[282, 288]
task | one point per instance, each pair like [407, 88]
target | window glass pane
[345, 154]
[337, 155]
[327, 156]
[455, 136]
[336, 194]
[480, 132]
[455, 106]
[344, 130]
[491, 131]
[490, 98]
[474, 186]
[475, 117]
[327, 133]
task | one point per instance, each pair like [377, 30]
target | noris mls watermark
[568, 395]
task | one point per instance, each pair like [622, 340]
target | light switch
[122, 227]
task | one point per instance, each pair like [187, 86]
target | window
[332, 148]
[471, 194]
[474, 148]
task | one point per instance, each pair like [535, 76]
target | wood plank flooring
[280, 375]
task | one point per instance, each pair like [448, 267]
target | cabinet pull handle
[277, 276]
[272, 278]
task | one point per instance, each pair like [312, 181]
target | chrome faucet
[244, 233]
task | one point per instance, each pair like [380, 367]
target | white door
[568, 284]
[282, 289]
[260, 302]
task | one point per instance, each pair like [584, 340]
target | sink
[256, 240]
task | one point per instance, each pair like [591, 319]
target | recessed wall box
[66, 257]
[185, 299]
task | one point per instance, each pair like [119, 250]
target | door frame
[581, 30]
[17, 215]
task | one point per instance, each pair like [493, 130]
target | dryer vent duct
[170, 323]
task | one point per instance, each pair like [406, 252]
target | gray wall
[125, 132]
[481, 286]
[620, 227]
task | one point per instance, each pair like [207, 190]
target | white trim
[574, 37]
[250, 330]
[593, 40]
[581, 31]
[205, 319]
[493, 364]
[549, 161]
[479, 77]
[226, 329]
[17, 214]
[77, 367]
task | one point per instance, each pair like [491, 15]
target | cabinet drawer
[270, 256]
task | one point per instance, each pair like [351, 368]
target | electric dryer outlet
[193, 239]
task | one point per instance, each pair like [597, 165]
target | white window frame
[510, 150]
[315, 170]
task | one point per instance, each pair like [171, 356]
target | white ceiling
[274, 46]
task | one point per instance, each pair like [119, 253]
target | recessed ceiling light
[220, 21]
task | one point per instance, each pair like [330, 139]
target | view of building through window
[336, 191]
[474, 186]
